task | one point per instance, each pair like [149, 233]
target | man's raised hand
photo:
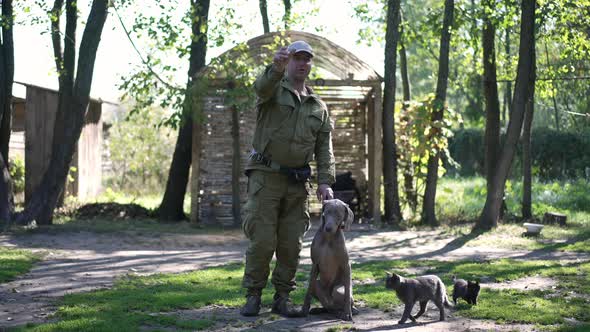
[281, 59]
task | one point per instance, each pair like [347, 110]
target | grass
[460, 201]
[15, 262]
[547, 307]
[152, 302]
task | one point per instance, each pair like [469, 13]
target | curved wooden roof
[329, 57]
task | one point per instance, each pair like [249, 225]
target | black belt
[297, 174]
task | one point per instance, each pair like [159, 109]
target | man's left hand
[324, 192]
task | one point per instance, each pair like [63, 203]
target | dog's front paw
[401, 321]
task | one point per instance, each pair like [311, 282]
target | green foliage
[14, 262]
[418, 137]
[555, 154]
[466, 148]
[140, 152]
[232, 75]
[166, 30]
[563, 50]
[17, 174]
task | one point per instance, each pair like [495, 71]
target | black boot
[283, 306]
[252, 306]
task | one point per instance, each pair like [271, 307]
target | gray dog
[330, 263]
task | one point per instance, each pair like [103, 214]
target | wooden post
[370, 111]
[378, 150]
[196, 167]
[375, 153]
[236, 169]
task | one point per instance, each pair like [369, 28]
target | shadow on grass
[398, 326]
[451, 246]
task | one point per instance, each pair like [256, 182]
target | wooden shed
[350, 88]
[33, 124]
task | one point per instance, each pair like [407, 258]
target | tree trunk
[56, 37]
[392, 34]
[7, 74]
[72, 107]
[475, 101]
[287, 16]
[428, 213]
[508, 86]
[171, 207]
[236, 173]
[527, 180]
[492, 130]
[6, 194]
[524, 79]
[264, 14]
[408, 169]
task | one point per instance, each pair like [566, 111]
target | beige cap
[300, 46]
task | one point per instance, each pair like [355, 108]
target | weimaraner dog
[330, 262]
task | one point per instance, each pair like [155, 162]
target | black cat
[467, 290]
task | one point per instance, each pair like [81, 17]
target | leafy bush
[466, 148]
[140, 152]
[555, 154]
[17, 173]
[419, 138]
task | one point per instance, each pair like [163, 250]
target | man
[293, 126]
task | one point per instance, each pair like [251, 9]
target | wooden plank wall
[214, 193]
[215, 180]
[41, 109]
[88, 157]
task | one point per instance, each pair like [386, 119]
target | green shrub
[140, 153]
[555, 154]
[17, 173]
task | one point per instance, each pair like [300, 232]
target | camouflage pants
[274, 219]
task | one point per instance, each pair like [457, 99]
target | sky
[34, 62]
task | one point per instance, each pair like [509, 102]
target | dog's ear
[348, 217]
[388, 274]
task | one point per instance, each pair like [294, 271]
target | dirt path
[77, 262]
